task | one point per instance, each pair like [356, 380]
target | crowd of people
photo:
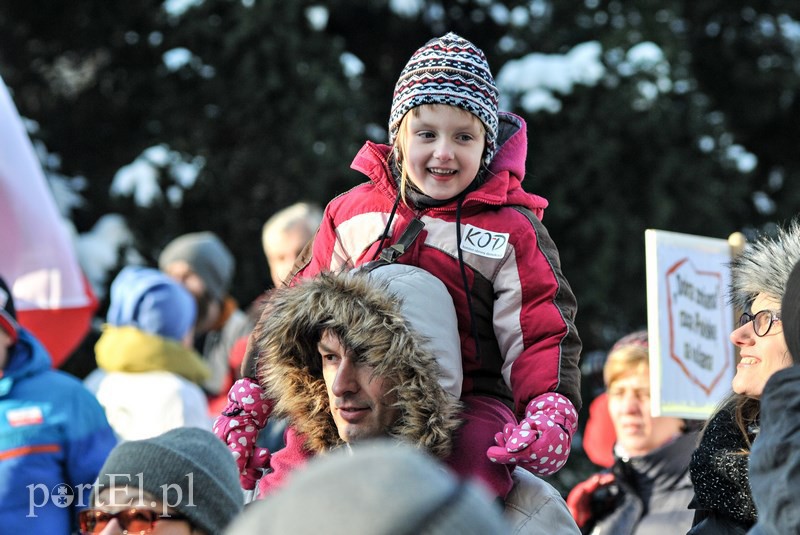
[413, 369]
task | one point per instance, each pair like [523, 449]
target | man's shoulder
[535, 506]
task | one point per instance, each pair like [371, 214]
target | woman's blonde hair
[624, 360]
[400, 146]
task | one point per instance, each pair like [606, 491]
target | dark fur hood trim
[367, 318]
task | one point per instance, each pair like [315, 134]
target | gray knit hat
[189, 466]
[207, 256]
[378, 488]
[764, 266]
[448, 70]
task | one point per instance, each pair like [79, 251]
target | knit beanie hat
[379, 487]
[8, 315]
[207, 256]
[790, 314]
[448, 70]
[149, 300]
[764, 266]
[189, 469]
[636, 338]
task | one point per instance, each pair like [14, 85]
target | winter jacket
[522, 306]
[54, 437]
[534, 507]
[132, 363]
[367, 314]
[775, 458]
[650, 494]
[718, 470]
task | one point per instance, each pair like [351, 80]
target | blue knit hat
[149, 300]
[448, 70]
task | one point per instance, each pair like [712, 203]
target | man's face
[283, 252]
[638, 432]
[359, 403]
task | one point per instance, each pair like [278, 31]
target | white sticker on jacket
[484, 242]
[24, 416]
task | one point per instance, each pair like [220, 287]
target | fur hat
[189, 466]
[365, 310]
[790, 313]
[448, 70]
[152, 302]
[207, 256]
[8, 314]
[380, 488]
[764, 266]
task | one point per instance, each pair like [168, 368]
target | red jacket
[511, 264]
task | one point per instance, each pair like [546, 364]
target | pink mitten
[245, 415]
[541, 441]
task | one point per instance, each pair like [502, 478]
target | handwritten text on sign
[696, 315]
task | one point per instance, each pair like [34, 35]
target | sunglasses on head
[135, 520]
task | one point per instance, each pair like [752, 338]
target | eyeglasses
[133, 521]
[762, 321]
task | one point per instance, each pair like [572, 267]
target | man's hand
[245, 415]
[541, 441]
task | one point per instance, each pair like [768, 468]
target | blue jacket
[53, 437]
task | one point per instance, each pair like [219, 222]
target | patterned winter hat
[448, 70]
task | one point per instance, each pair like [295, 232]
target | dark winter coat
[650, 494]
[775, 458]
[718, 470]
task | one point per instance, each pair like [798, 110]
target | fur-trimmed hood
[399, 318]
[764, 266]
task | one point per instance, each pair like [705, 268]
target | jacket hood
[503, 185]
[25, 358]
[764, 266]
[130, 350]
[365, 309]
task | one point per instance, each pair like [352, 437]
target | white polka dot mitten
[541, 441]
[245, 415]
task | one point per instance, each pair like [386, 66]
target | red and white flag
[37, 257]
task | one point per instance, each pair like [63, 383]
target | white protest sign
[688, 323]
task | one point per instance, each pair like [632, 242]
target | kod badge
[484, 242]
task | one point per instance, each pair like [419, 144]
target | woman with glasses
[723, 500]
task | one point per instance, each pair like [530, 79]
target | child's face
[443, 150]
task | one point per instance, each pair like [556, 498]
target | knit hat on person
[207, 256]
[188, 469]
[637, 338]
[790, 314]
[8, 314]
[448, 70]
[764, 266]
[380, 487]
[149, 300]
